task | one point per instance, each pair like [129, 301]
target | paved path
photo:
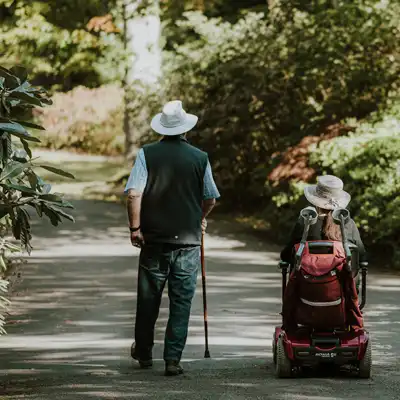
[73, 323]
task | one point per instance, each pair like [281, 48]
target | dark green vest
[172, 200]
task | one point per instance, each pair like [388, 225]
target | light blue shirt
[138, 178]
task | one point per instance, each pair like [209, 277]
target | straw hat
[173, 120]
[328, 193]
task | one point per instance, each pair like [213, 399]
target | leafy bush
[20, 186]
[263, 83]
[58, 42]
[368, 161]
[85, 120]
[270, 80]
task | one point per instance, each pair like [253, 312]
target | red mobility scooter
[322, 319]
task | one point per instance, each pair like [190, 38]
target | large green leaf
[33, 179]
[30, 125]
[46, 100]
[26, 147]
[16, 228]
[11, 81]
[13, 127]
[4, 210]
[57, 171]
[20, 188]
[13, 248]
[52, 215]
[28, 138]
[18, 130]
[25, 97]
[25, 234]
[37, 206]
[57, 200]
[20, 72]
[12, 170]
[62, 213]
[51, 197]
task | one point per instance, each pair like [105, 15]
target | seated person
[326, 196]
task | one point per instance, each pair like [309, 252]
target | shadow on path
[72, 322]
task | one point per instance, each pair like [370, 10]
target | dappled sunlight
[91, 237]
[243, 278]
[240, 257]
[385, 288]
[297, 396]
[393, 281]
[269, 300]
[234, 340]
[108, 395]
[220, 242]
[244, 385]
[72, 322]
[63, 341]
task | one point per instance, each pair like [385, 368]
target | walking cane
[203, 278]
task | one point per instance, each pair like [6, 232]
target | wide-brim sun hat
[328, 193]
[173, 120]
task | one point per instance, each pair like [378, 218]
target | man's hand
[137, 239]
[203, 225]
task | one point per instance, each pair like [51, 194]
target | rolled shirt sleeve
[210, 188]
[138, 176]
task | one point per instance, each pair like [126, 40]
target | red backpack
[320, 289]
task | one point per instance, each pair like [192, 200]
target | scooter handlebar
[340, 213]
[310, 215]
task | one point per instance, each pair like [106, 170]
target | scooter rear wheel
[283, 365]
[365, 366]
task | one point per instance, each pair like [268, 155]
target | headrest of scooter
[309, 214]
[340, 213]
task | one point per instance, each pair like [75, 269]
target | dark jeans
[157, 264]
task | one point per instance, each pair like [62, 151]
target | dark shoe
[144, 362]
[172, 368]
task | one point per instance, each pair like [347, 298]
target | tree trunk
[142, 40]
[199, 5]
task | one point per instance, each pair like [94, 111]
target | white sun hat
[173, 120]
[328, 193]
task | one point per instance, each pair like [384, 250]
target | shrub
[20, 186]
[62, 43]
[267, 82]
[85, 120]
[368, 162]
[263, 83]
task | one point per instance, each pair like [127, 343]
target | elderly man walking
[170, 191]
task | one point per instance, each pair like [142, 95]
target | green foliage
[368, 161]
[263, 83]
[51, 40]
[20, 186]
[84, 120]
[174, 10]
